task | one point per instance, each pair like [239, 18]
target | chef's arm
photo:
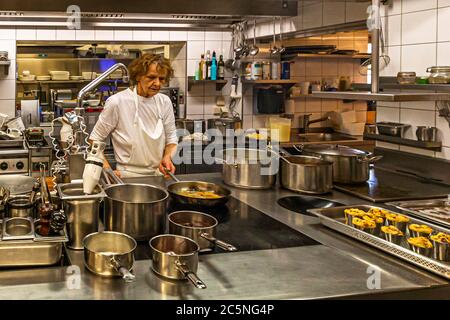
[166, 161]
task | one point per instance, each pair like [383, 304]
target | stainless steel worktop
[339, 268]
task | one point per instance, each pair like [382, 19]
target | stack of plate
[43, 78]
[60, 75]
[30, 77]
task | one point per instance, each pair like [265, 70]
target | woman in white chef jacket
[141, 121]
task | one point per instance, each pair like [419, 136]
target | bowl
[93, 103]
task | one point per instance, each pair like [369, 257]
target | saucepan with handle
[176, 257]
[198, 226]
[110, 254]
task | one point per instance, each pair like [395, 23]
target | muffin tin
[436, 259]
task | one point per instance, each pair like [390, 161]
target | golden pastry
[392, 230]
[397, 217]
[420, 242]
[364, 223]
[372, 216]
[378, 212]
[420, 228]
[355, 212]
[441, 238]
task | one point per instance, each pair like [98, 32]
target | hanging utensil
[254, 49]
[281, 49]
[384, 57]
[274, 49]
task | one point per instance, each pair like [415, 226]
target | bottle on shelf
[213, 73]
[208, 65]
[202, 68]
[221, 69]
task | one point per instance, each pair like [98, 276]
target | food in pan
[391, 230]
[364, 223]
[378, 212]
[397, 217]
[420, 242]
[199, 194]
[441, 237]
[420, 228]
[355, 212]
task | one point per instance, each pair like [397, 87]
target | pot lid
[334, 150]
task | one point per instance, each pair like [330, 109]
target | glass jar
[256, 71]
[406, 77]
[248, 71]
[266, 71]
[439, 75]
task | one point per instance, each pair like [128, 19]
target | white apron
[147, 148]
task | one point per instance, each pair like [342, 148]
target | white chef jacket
[117, 119]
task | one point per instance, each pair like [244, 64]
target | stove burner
[242, 226]
[301, 204]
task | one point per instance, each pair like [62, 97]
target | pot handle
[371, 159]
[221, 244]
[124, 272]
[171, 175]
[299, 148]
[191, 276]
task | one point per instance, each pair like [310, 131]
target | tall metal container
[82, 211]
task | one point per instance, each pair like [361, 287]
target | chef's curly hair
[140, 66]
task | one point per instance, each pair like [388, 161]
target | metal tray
[334, 218]
[434, 210]
[37, 251]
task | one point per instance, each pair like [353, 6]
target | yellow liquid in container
[280, 129]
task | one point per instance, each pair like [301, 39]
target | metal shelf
[396, 86]
[61, 81]
[219, 83]
[381, 96]
[333, 56]
[429, 145]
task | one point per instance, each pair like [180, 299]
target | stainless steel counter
[339, 268]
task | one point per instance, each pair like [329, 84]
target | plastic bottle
[214, 67]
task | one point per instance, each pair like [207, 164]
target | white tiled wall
[417, 35]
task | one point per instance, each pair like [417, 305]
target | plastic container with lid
[280, 129]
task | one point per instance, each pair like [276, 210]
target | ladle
[254, 49]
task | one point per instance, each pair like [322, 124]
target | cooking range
[242, 226]
[13, 157]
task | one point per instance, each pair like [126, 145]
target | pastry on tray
[378, 212]
[394, 217]
[353, 213]
[441, 237]
[392, 230]
[367, 225]
[420, 243]
[418, 230]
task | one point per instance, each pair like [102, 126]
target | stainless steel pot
[83, 211]
[135, 209]
[21, 206]
[306, 174]
[191, 125]
[110, 254]
[176, 257]
[350, 166]
[249, 168]
[222, 124]
[199, 227]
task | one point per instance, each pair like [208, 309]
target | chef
[141, 121]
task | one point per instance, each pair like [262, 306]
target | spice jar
[440, 75]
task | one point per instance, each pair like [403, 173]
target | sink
[301, 204]
[318, 137]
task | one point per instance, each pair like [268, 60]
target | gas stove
[13, 157]
[244, 227]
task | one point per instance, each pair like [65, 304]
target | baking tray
[434, 210]
[334, 218]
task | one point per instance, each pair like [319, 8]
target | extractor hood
[143, 13]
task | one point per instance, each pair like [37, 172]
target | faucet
[305, 121]
[96, 82]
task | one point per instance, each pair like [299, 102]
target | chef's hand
[166, 162]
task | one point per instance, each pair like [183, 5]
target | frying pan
[178, 186]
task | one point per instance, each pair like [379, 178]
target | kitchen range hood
[142, 13]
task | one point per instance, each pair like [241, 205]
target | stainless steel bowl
[392, 129]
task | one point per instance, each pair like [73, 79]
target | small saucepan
[110, 254]
[176, 257]
[199, 227]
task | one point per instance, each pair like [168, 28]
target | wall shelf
[396, 86]
[62, 81]
[381, 96]
[287, 83]
[429, 145]
[334, 56]
[219, 83]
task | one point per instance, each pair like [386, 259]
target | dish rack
[334, 218]
[21, 244]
